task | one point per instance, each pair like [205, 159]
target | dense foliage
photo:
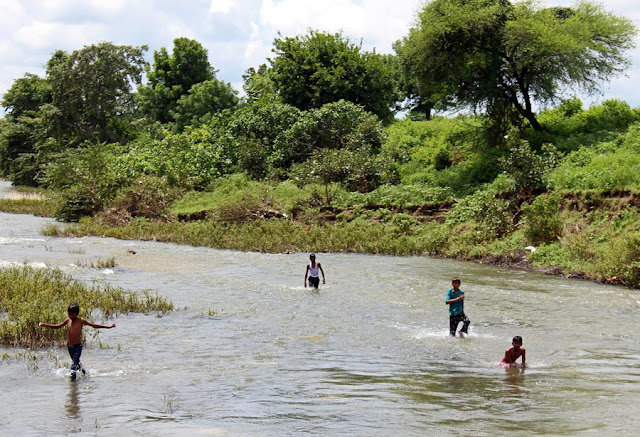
[319, 68]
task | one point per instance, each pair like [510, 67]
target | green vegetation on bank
[541, 198]
[29, 296]
[571, 236]
[28, 200]
[41, 208]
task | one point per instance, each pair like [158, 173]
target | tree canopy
[502, 57]
[319, 68]
[203, 100]
[91, 90]
[172, 76]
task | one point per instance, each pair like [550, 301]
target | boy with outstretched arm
[514, 352]
[74, 325]
[455, 300]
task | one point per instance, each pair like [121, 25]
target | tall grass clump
[395, 196]
[603, 167]
[29, 296]
[41, 207]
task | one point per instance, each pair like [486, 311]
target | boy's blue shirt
[455, 308]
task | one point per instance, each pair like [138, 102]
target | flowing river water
[250, 352]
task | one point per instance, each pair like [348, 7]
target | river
[250, 352]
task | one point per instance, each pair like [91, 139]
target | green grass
[100, 263]
[29, 296]
[38, 207]
[273, 235]
[229, 192]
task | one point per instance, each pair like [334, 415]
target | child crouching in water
[513, 353]
[74, 332]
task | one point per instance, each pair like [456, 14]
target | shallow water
[250, 351]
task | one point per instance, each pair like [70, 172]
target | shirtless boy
[74, 326]
[514, 352]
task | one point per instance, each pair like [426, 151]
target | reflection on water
[250, 352]
[72, 405]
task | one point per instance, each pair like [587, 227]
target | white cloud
[69, 10]
[8, 50]
[378, 22]
[256, 51]
[221, 6]
[40, 35]
[108, 8]
[180, 30]
[11, 14]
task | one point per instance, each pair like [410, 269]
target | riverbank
[590, 235]
[597, 244]
[23, 200]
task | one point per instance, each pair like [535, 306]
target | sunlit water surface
[250, 351]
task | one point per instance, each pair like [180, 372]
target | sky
[238, 34]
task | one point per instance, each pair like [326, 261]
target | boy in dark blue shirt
[455, 300]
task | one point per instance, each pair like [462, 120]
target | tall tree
[502, 57]
[319, 68]
[22, 128]
[172, 76]
[91, 91]
[203, 101]
[258, 85]
[26, 95]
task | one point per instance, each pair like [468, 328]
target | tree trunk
[526, 113]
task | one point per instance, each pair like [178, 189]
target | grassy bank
[592, 235]
[29, 296]
[37, 207]
[272, 235]
[28, 200]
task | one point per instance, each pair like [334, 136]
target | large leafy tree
[319, 68]
[91, 92]
[503, 57]
[258, 85]
[26, 95]
[172, 76]
[203, 101]
[22, 128]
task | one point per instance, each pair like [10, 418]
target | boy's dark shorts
[314, 281]
[75, 351]
[455, 320]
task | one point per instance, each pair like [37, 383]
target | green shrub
[77, 202]
[395, 196]
[543, 223]
[404, 223]
[495, 217]
[526, 167]
[608, 166]
[471, 206]
[149, 197]
[619, 259]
